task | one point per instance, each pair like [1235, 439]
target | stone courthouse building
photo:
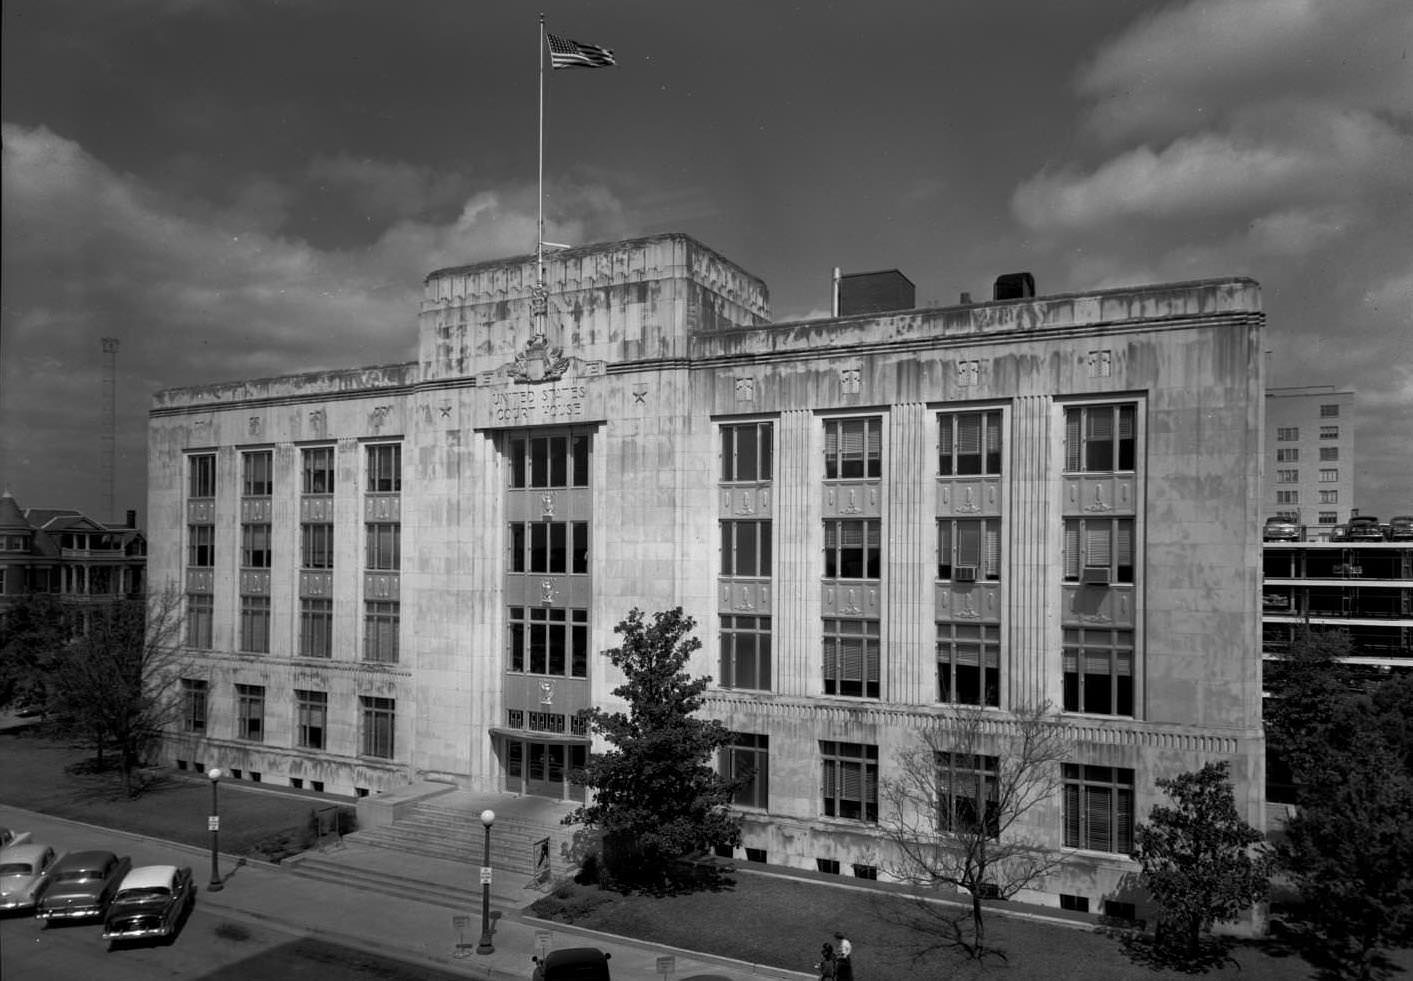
[407, 573]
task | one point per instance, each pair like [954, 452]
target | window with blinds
[969, 549]
[1098, 808]
[1099, 543]
[311, 718]
[250, 712]
[853, 448]
[255, 624]
[746, 452]
[969, 664]
[317, 470]
[967, 794]
[1100, 438]
[745, 652]
[200, 612]
[257, 473]
[384, 546]
[852, 548]
[316, 546]
[851, 658]
[201, 546]
[381, 622]
[850, 780]
[969, 443]
[201, 475]
[316, 628]
[1098, 671]
[379, 724]
[384, 468]
[255, 546]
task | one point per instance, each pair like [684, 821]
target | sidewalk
[410, 930]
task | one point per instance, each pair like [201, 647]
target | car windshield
[142, 895]
[16, 868]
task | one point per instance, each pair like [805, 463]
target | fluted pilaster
[908, 632]
[1033, 657]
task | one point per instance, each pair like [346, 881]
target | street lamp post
[214, 824]
[488, 818]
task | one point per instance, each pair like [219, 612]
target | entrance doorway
[541, 768]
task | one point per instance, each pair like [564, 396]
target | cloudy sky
[239, 189]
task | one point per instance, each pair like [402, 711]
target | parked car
[23, 871]
[9, 837]
[149, 904]
[81, 885]
[1280, 530]
[1339, 533]
[573, 964]
[1365, 528]
[1400, 528]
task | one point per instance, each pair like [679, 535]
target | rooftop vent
[875, 292]
[1014, 286]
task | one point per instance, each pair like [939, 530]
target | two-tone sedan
[149, 904]
[24, 870]
[81, 885]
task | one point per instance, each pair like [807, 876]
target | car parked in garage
[24, 869]
[1280, 530]
[81, 885]
[150, 904]
[1365, 528]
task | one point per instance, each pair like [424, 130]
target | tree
[956, 816]
[1307, 687]
[1349, 846]
[32, 632]
[1198, 860]
[113, 683]
[657, 795]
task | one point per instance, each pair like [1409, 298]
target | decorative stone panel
[380, 585]
[201, 511]
[851, 599]
[853, 499]
[316, 584]
[382, 507]
[1101, 606]
[546, 589]
[746, 596]
[316, 508]
[1100, 494]
[255, 582]
[979, 602]
[965, 497]
[255, 510]
[200, 580]
[746, 501]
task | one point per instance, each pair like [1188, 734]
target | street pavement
[406, 929]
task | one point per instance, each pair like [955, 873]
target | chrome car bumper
[68, 913]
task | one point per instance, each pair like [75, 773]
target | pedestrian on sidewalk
[827, 966]
[844, 960]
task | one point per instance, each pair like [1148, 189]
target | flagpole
[540, 305]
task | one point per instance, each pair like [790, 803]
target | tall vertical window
[545, 640]
[311, 718]
[967, 792]
[384, 551]
[1098, 808]
[549, 546]
[549, 460]
[1100, 438]
[193, 693]
[745, 548]
[969, 663]
[850, 783]
[851, 658]
[969, 549]
[198, 620]
[257, 473]
[255, 546]
[250, 712]
[746, 452]
[1098, 668]
[379, 723]
[316, 627]
[853, 448]
[1288, 434]
[201, 475]
[1099, 550]
[852, 548]
[1329, 411]
[969, 443]
[745, 652]
[317, 470]
[380, 627]
[384, 468]
[255, 624]
[748, 759]
[316, 546]
[200, 546]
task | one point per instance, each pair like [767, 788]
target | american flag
[565, 53]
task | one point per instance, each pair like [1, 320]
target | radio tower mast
[109, 434]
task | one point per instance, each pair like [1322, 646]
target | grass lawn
[39, 776]
[782, 922]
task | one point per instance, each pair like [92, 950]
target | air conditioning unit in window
[964, 573]
[1095, 575]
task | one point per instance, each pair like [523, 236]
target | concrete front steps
[452, 833]
[405, 883]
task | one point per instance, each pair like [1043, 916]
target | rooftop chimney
[1014, 286]
[875, 292]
